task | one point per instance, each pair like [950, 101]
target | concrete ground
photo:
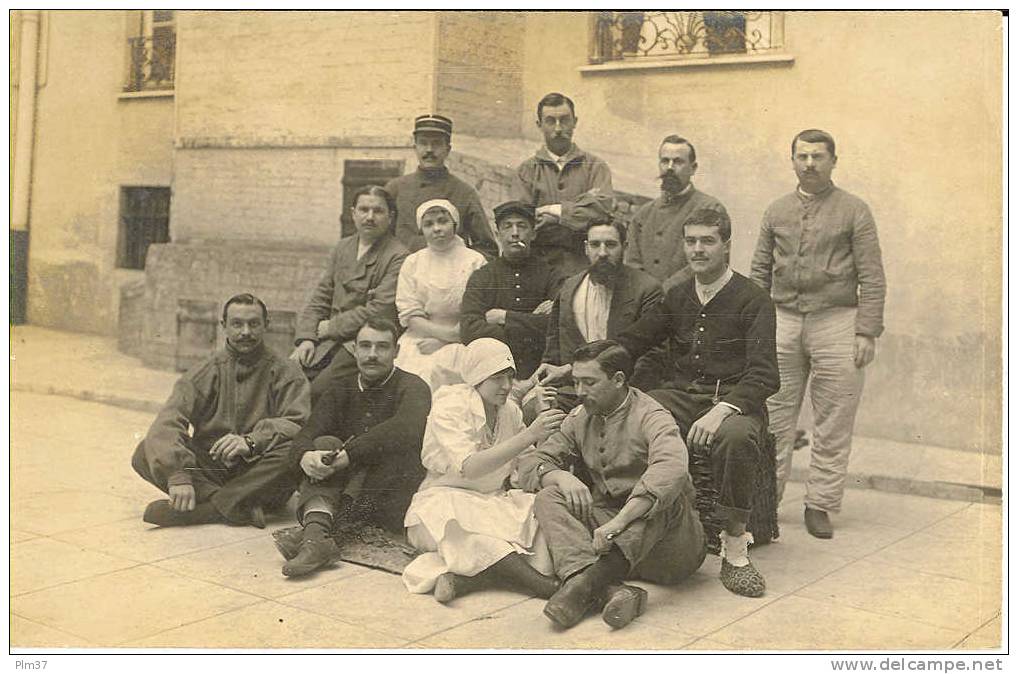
[903, 572]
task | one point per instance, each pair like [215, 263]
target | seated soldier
[244, 404]
[721, 327]
[359, 283]
[633, 516]
[360, 450]
[509, 298]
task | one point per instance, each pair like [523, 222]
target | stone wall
[479, 71]
[303, 78]
[207, 273]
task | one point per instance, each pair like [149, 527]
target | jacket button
[701, 328]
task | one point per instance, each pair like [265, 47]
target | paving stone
[142, 542]
[974, 562]
[700, 604]
[379, 601]
[21, 536]
[30, 634]
[253, 565]
[70, 510]
[524, 626]
[896, 591]
[801, 623]
[127, 605]
[986, 637]
[45, 562]
[269, 625]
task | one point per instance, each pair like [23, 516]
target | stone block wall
[479, 71]
[211, 272]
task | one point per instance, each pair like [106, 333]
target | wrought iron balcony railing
[152, 62]
[671, 35]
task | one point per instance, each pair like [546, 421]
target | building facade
[163, 160]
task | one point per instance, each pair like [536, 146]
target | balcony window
[152, 48]
[683, 36]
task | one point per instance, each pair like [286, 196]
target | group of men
[641, 329]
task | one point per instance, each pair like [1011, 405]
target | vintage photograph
[534, 331]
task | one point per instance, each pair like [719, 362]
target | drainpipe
[21, 179]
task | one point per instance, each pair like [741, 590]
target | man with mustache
[220, 447]
[600, 302]
[360, 452]
[360, 282]
[819, 256]
[656, 231]
[632, 514]
[432, 140]
[509, 299]
[553, 179]
[720, 326]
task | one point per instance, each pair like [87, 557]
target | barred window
[673, 36]
[358, 173]
[152, 47]
[144, 220]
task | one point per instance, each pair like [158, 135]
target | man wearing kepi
[432, 180]
[819, 255]
[359, 283]
[553, 179]
[244, 404]
[360, 451]
[721, 327]
[509, 298]
[634, 516]
[656, 232]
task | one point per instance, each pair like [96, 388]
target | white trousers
[818, 347]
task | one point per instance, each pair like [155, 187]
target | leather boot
[818, 523]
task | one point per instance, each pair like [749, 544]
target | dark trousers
[736, 449]
[664, 548]
[333, 367]
[233, 491]
[379, 493]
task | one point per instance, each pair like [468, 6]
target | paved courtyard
[903, 572]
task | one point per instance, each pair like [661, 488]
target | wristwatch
[250, 443]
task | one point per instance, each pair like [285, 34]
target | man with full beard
[600, 302]
[656, 232]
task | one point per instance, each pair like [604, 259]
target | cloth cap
[438, 203]
[594, 206]
[433, 122]
[484, 357]
[514, 207]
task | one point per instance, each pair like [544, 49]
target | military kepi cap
[435, 123]
[514, 208]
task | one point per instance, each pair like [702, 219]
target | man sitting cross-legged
[360, 450]
[633, 513]
[243, 405]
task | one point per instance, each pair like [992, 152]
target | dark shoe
[572, 601]
[288, 541]
[742, 580]
[818, 523]
[624, 603]
[314, 553]
[162, 514]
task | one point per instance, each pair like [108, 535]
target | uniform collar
[432, 176]
[543, 154]
[360, 381]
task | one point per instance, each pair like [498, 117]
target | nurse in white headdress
[430, 289]
[471, 531]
